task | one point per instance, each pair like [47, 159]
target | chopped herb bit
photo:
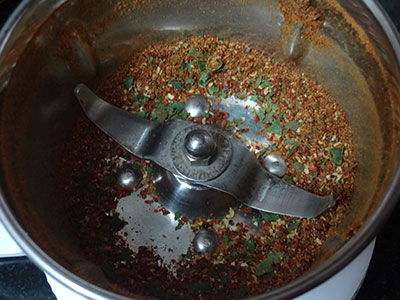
[274, 148]
[184, 115]
[269, 217]
[292, 145]
[292, 125]
[275, 107]
[313, 175]
[178, 106]
[204, 79]
[275, 128]
[143, 114]
[267, 83]
[129, 82]
[292, 142]
[206, 115]
[265, 115]
[255, 98]
[139, 100]
[262, 82]
[232, 243]
[151, 58]
[189, 82]
[189, 254]
[179, 226]
[160, 112]
[234, 253]
[229, 127]
[136, 166]
[241, 95]
[288, 179]
[283, 87]
[298, 167]
[187, 66]
[337, 155]
[256, 221]
[193, 52]
[248, 260]
[226, 238]
[202, 65]
[177, 216]
[292, 225]
[177, 84]
[251, 245]
[259, 80]
[265, 266]
[223, 95]
[213, 90]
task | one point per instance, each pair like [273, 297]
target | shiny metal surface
[206, 241]
[197, 105]
[275, 164]
[239, 175]
[190, 199]
[201, 171]
[46, 111]
[127, 177]
[199, 145]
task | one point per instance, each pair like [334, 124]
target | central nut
[201, 152]
[200, 146]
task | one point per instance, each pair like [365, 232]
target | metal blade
[250, 183]
[234, 171]
[280, 197]
[133, 133]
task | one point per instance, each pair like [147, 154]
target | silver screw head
[275, 165]
[127, 177]
[199, 145]
[197, 105]
[206, 241]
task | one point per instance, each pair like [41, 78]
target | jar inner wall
[83, 41]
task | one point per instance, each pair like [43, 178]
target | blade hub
[201, 152]
[200, 146]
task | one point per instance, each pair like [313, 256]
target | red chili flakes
[302, 122]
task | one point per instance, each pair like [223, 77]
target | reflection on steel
[127, 178]
[275, 165]
[206, 241]
[197, 105]
[199, 144]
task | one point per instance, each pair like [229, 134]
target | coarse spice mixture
[299, 118]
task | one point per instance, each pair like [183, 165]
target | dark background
[20, 279]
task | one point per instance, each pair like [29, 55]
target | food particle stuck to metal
[255, 102]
